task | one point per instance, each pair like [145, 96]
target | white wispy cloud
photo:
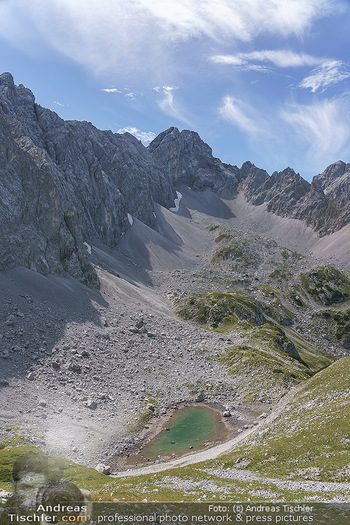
[324, 126]
[111, 90]
[169, 106]
[58, 103]
[130, 95]
[145, 136]
[242, 115]
[326, 74]
[255, 67]
[278, 57]
[140, 33]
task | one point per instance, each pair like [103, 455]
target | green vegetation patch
[283, 272]
[198, 483]
[331, 210]
[221, 309]
[326, 285]
[281, 314]
[311, 437]
[296, 298]
[240, 252]
[264, 372]
[8, 456]
[221, 237]
[245, 358]
[272, 338]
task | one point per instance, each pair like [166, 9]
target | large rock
[103, 469]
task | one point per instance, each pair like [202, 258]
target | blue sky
[260, 80]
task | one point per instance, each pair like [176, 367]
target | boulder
[200, 397]
[103, 469]
[90, 403]
[290, 349]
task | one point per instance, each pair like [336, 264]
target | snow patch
[177, 202]
[88, 247]
[130, 219]
[154, 215]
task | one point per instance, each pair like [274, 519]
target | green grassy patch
[8, 456]
[270, 374]
[283, 272]
[314, 358]
[221, 309]
[311, 438]
[142, 419]
[240, 252]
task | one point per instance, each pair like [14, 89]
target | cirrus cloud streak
[242, 115]
[325, 75]
[278, 57]
[323, 125]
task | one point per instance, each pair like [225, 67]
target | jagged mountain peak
[288, 177]
[175, 132]
[9, 89]
[334, 181]
[188, 160]
[7, 78]
[287, 172]
[185, 139]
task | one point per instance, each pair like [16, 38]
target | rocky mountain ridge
[287, 194]
[64, 183]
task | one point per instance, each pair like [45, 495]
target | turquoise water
[189, 427]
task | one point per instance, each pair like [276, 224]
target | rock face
[34, 231]
[188, 160]
[287, 194]
[63, 183]
[334, 181]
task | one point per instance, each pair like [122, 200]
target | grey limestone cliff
[287, 194]
[188, 160]
[54, 173]
[335, 181]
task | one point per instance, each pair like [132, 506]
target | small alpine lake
[188, 428]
